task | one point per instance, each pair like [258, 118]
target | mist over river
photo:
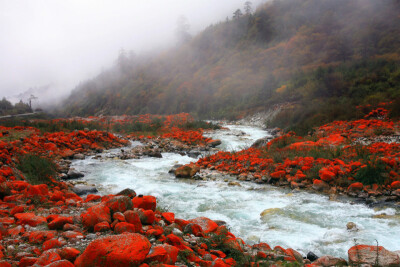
[300, 220]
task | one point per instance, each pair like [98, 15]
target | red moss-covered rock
[119, 216]
[69, 253]
[356, 187]
[206, 224]
[102, 227]
[60, 263]
[59, 222]
[30, 219]
[172, 254]
[133, 218]
[72, 234]
[176, 241]
[364, 254]
[95, 215]
[119, 204]
[194, 228]
[123, 227]
[92, 198]
[157, 254]
[330, 261]
[17, 209]
[169, 217]
[128, 249]
[27, 261]
[38, 237]
[145, 202]
[182, 223]
[48, 257]
[52, 243]
[16, 230]
[147, 216]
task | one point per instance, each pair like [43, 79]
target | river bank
[48, 225]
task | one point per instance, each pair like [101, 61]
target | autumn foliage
[334, 154]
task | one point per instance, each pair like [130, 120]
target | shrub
[37, 169]
[200, 124]
[373, 173]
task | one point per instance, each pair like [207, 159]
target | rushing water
[300, 220]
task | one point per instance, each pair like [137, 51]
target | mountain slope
[308, 52]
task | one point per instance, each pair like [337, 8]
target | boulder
[59, 222]
[123, 227]
[259, 143]
[145, 202]
[133, 218]
[373, 255]
[214, 143]
[187, 171]
[81, 190]
[328, 261]
[351, 226]
[129, 249]
[95, 215]
[311, 256]
[205, 223]
[79, 156]
[320, 185]
[173, 169]
[119, 204]
[30, 219]
[74, 174]
[127, 192]
[101, 227]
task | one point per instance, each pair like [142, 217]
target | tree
[182, 30]
[123, 61]
[32, 97]
[247, 8]
[5, 106]
[237, 14]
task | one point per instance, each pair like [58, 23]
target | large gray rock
[214, 143]
[259, 143]
[79, 156]
[74, 174]
[84, 189]
[373, 255]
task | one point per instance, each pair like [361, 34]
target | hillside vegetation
[324, 57]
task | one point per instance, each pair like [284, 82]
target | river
[299, 220]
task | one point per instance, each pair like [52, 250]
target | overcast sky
[62, 42]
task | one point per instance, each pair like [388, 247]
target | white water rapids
[300, 220]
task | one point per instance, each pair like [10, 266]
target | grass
[373, 173]
[15, 135]
[36, 169]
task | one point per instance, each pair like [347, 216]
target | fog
[49, 46]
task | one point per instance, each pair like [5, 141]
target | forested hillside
[324, 57]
